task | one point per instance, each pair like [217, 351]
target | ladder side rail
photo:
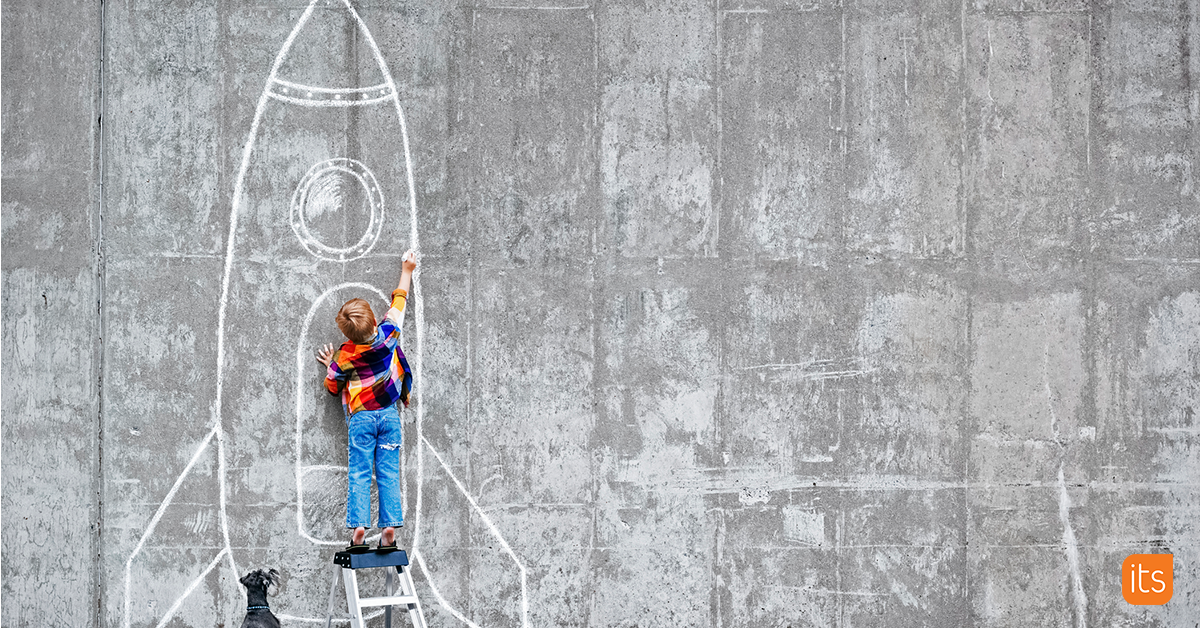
[337, 576]
[415, 614]
[356, 616]
[388, 590]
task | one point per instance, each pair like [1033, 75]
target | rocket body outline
[293, 93]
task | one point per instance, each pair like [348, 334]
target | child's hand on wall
[325, 354]
[410, 261]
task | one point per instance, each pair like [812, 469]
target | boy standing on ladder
[372, 376]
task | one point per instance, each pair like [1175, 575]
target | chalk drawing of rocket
[324, 193]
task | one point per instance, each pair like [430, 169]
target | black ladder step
[373, 558]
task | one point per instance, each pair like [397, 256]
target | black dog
[258, 614]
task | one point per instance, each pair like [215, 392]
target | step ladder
[346, 564]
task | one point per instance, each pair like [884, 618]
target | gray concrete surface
[737, 313]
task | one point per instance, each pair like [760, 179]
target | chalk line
[491, 528]
[158, 517]
[418, 369]
[191, 587]
[304, 366]
[317, 180]
[222, 307]
[306, 102]
[311, 96]
[233, 568]
[321, 467]
[380, 88]
[420, 559]
[226, 551]
[1071, 547]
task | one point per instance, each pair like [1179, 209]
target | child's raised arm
[407, 266]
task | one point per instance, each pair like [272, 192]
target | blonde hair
[357, 321]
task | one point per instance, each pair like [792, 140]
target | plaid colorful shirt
[373, 376]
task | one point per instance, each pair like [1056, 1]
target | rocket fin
[174, 564]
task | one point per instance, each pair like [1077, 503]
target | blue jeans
[374, 440]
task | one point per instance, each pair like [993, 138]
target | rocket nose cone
[330, 56]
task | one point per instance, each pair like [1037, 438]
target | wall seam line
[965, 253]
[718, 588]
[601, 271]
[98, 351]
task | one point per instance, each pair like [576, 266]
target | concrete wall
[749, 313]
[52, 338]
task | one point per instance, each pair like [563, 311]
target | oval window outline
[317, 174]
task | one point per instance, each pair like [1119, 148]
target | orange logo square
[1148, 579]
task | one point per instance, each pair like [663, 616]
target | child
[372, 375]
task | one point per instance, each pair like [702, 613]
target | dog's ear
[273, 579]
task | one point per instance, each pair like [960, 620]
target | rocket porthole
[337, 200]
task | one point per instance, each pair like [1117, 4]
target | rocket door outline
[316, 189]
